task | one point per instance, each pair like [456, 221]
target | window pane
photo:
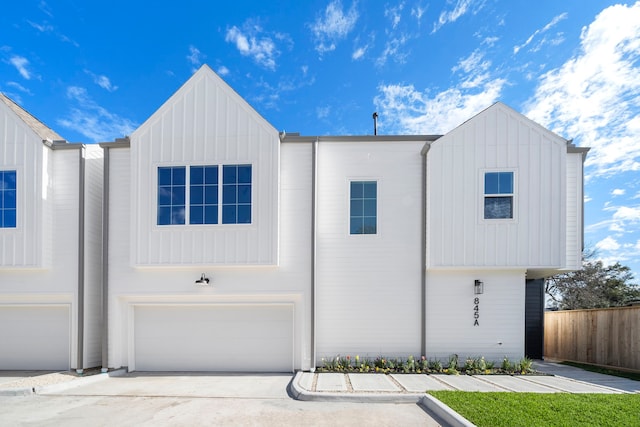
[164, 196]
[196, 215]
[356, 226]
[164, 215]
[211, 175]
[244, 174]
[211, 194]
[178, 195]
[164, 176]
[491, 183]
[211, 214]
[196, 175]
[196, 195]
[244, 193]
[357, 208]
[177, 215]
[229, 174]
[229, 194]
[498, 207]
[9, 220]
[506, 183]
[357, 190]
[179, 176]
[244, 214]
[370, 208]
[369, 225]
[229, 214]
[369, 190]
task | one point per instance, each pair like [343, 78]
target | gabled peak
[43, 131]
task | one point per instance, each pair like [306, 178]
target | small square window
[498, 195]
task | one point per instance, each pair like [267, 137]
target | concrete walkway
[556, 378]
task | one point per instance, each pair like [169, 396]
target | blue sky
[94, 71]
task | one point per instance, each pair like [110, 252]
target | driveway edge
[434, 406]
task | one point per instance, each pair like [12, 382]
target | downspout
[314, 249]
[105, 262]
[423, 257]
[81, 211]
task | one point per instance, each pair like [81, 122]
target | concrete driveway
[194, 399]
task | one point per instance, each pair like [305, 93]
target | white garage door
[35, 337]
[231, 338]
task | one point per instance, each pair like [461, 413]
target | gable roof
[40, 129]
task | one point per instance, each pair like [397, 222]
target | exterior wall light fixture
[478, 287]
[202, 281]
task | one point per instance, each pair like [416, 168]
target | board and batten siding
[288, 283]
[21, 149]
[497, 139]
[450, 314]
[575, 203]
[368, 289]
[205, 123]
[93, 197]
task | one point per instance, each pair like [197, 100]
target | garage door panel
[35, 337]
[214, 338]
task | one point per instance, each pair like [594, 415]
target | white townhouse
[50, 246]
[230, 246]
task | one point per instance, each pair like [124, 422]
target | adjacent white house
[230, 246]
[50, 246]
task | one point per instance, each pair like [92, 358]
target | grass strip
[538, 409]
[607, 371]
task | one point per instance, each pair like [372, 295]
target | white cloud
[461, 8]
[594, 97]
[608, 244]
[43, 28]
[418, 11]
[394, 49]
[333, 25]
[394, 13]
[617, 192]
[103, 81]
[323, 112]
[359, 52]
[21, 63]
[542, 30]
[223, 71]
[250, 42]
[404, 109]
[194, 58]
[93, 121]
[19, 87]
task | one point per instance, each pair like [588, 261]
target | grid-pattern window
[171, 195]
[498, 195]
[203, 195]
[363, 212]
[236, 194]
[8, 193]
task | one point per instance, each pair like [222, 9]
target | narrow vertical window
[8, 194]
[236, 194]
[171, 195]
[498, 195]
[203, 195]
[363, 211]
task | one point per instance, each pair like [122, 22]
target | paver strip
[372, 382]
[467, 383]
[517, 384]
[331, 382]
[419, 383]
[568, 385]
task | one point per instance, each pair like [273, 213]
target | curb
[450, 417]
[298, 392]
[53, 388]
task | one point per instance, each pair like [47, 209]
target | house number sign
[476, 311]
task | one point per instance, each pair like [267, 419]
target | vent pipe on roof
[375, 123]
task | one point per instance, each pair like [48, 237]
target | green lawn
[545, 410]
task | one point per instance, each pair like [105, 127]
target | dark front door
[534, 319]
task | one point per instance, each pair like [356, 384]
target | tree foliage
[594, 286]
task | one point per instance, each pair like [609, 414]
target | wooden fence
[607, 337]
